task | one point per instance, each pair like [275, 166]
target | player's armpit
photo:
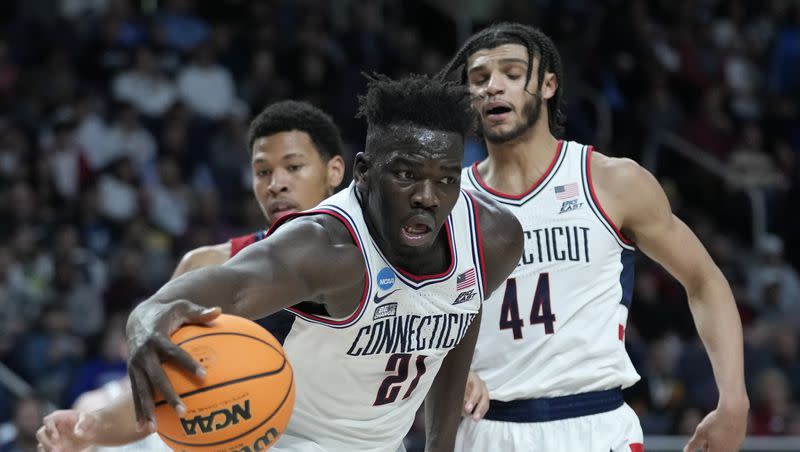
[290, 266]
[307, 259]
[501, 237]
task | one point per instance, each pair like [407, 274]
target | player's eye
[293, 168]
[478, 79]
[404, 174]
[263, 173]
[448, 180]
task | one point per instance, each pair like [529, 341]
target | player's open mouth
[416, 233]
[496, 111]
[280, 210]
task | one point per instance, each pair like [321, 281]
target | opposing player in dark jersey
[551, 348]
[404, 234]
[296, 152]
[296, 163]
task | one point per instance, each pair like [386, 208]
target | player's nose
[495, 85]
[425, 195]
[279, 182]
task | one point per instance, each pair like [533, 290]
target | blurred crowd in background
[122, 145]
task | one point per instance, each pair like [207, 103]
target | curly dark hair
[417, 100]
[290, 115]
[539, 45]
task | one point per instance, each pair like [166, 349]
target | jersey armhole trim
[240, 243]
[475, 228]
[359, 311]
[595, 202]
[417, 279]
[479, 182]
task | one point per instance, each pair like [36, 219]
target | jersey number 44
[540, 311]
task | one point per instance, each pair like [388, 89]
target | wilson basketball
[246, 399]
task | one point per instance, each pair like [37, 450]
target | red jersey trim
[533, 187]
[352, 318]
[596, 201]
[479, 240]
[423, 278]
[242, 242]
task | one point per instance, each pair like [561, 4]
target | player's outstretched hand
[720, 431]
[149, 328]
[67, 431]
[476, 397]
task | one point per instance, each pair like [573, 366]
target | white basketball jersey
[556, 327]
[361, 379]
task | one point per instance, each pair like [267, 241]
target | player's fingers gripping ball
[246, 399]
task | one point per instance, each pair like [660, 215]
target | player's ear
[361, 170]
[335, 169]
[550, 85]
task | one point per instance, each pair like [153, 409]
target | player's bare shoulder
[203, 256]
[502, 238]
[313, 242]
[614, 175]
[320, 236]
[626, 190]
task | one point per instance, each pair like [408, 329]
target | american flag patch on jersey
[566, 191]
[466, 279]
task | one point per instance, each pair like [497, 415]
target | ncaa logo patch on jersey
[386, 278]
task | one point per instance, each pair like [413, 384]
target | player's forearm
[209, 287]
[117, 422]
[446, 396]
[230, 289]
[720, 328]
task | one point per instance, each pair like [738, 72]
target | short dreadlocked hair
[289, 115]
[416, 100]
[538, 44]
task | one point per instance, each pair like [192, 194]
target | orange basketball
[246, 399]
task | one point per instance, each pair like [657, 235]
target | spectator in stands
[772, 403]
[145, 86]
[774, 286]
[68, 166]
[205, 86]
[107, 365]
[128, 138]
[169, 200]
[28, 413]
[48, 355]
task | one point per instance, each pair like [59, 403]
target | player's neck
[514, 167]
[433, 260]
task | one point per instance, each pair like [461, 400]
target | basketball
[246, 399]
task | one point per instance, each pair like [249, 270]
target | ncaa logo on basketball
[386, 278]
[217, 420]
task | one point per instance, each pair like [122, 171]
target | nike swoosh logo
[378, 299]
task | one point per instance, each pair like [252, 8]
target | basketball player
[551, 349]
[296, 164]
[412, 252]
